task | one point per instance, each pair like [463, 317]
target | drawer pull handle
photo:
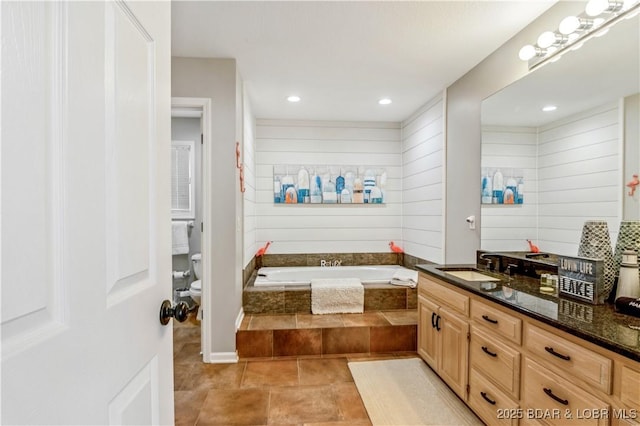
[488, 352]
[549, 392]
[486, 318]
[554, 353]
[486, 398]
[433, 320]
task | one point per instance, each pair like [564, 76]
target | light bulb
[569, 25]
[293, 98]
[549, 108]
[546, 39]
[596, 7]
[527, 52]
[384, 101]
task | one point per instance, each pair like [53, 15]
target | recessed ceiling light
[384, 101]
[549, 108]
[293, 98]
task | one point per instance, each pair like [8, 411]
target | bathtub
[300, 275]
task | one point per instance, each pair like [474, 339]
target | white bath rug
[337, 296]
[406, 392]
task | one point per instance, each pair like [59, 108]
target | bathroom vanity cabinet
[513, 369]
[443, 331]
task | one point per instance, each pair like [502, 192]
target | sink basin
[469, 274]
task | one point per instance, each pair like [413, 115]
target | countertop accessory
[595, 243]
[581, 278]
[628, 282]
[628, 238]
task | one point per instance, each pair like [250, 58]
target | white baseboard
[223, 357]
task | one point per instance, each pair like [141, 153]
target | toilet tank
[196, 260]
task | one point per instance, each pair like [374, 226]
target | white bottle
[498, 187]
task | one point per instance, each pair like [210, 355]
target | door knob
[180, 312]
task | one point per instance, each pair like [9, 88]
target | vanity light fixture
[293, 98]
[598, 17]
[384, 101]
[598, 7]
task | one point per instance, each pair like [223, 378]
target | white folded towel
[179, 237]
[405, 277]
[337, 295]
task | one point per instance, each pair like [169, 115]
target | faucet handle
[511, 267]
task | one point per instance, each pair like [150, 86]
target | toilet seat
[196, 285]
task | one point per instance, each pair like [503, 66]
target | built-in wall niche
[314, 184]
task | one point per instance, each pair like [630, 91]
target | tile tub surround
[303, 335]
[297, 299]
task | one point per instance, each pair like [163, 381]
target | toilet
[195, 290]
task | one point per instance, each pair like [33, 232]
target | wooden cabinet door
[454, 351]
[427, 334]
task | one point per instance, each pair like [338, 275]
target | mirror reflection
[571, 131]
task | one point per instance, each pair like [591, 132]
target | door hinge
[201, 226]
[468, 389]
[468, 336]
[201, 138]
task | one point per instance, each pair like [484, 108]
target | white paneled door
[85, 213]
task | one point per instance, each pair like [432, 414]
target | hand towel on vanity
[405, 277]
[179, 237]
[337, 295]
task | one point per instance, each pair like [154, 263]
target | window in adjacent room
[182, 180]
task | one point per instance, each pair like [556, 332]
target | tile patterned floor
[316, 391]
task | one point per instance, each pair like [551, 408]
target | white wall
[422, 182]
[217, 79]
[323, 228]
[506, 227]
[579, 177]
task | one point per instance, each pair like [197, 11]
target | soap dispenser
[628, 281]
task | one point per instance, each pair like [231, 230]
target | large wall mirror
[571, 163]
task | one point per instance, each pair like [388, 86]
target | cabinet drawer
[495, 360]
[555, 399]
[444, 296]
[499, 322]
[571, 358]
[489, 403]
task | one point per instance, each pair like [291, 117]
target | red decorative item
[395, 248]
[238, 165]
[534, 248]
[263, 250]
[632, 184]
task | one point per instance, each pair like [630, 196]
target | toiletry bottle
[375, 195]
[498, 187]
[487, 189]
[303, 186]
[291, 195]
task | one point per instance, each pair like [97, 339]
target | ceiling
[341, 57]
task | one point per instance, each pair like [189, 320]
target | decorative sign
[581, 278]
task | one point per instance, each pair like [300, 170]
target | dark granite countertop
[599, 324]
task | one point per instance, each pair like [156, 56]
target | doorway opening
[190, 166]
